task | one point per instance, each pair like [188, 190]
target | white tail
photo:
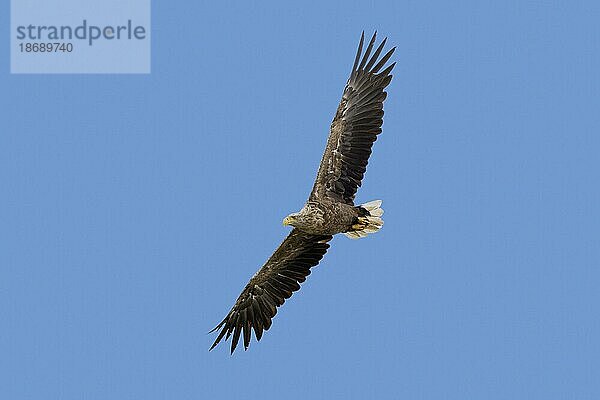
[369, 223]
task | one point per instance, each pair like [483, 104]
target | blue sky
[134, 208]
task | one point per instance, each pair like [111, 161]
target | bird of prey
[330, 207]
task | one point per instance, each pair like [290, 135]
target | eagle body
[330, 208]
[325, 217]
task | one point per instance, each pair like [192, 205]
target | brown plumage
[330, 208]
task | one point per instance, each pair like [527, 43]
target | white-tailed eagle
[330, 207]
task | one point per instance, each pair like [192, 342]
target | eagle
[330, 207]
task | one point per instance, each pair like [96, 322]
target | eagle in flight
[330, 207]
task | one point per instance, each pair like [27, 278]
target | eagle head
[291, 219]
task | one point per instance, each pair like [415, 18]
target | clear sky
[134, 208]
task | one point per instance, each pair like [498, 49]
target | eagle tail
[368, 221]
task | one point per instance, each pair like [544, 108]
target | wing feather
[355, 127]
[271, 286]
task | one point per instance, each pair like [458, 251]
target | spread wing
[355, 126]
[271, 286]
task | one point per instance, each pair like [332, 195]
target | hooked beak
[288, 220]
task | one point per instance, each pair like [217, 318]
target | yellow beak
[287, 221]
